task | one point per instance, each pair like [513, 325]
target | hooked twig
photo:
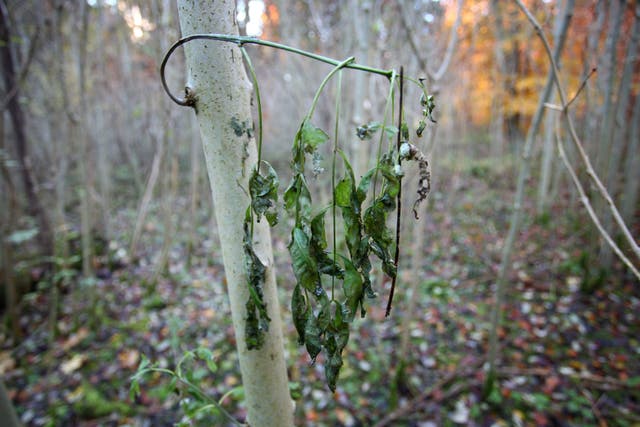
[189, 100]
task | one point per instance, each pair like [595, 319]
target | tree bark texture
[9, 74]
[217, 79]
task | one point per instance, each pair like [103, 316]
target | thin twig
[242, 40]
[582, 86]
[396, 257]
[587, 204]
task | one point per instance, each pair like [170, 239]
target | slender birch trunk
[609, 66]
[86, 222]
[222, 91]
[546, 167]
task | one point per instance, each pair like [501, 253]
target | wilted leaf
[300, 311]
[312, 137]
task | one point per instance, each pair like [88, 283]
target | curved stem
[388, 104]
[336, 147]
[337, 68]
[396, 257]
[242, 40]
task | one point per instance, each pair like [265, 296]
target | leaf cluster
[322, 320]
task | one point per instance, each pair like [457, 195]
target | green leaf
[297, 196]
[391, 131]
[254, 332]
[206, 355]
[300, 311]
[421, 127]
[365, 183]
[326, 265]
[353, 290]
[264, 194]
[343, 192]
[257, 320]
[332, 370]
[312, 337]
[305, 267]
[312, 137]
[318, 235]
[134, 389]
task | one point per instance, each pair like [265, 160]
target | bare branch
[587, 204]
[574, 136]
[582, 85]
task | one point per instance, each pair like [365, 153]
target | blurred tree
[13, 77]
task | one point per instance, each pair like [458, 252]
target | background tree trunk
[218, 80]
[11, 83]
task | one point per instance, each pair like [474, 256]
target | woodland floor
[570, 351]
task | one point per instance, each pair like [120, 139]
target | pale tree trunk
[546, 164]
[194, 189]
[61, 158]
[560, 36]
[143, 209]
[592, 57]
[609, 62]
[85, 150]
[102, 135]
[219, 82]
[620, 127]
[500, 70]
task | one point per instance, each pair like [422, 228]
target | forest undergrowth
[569, 355]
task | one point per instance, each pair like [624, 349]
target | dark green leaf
[297, 196]
[312, 137]
[312, 337]
[405, 131]
[326, 265]
[253, 333]
[264, 194]
[332, 370]
[343, 192]
[353, 290]
[421, 126]
[304, 265]
[366, 131]
[300, 311]
[257, 320]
